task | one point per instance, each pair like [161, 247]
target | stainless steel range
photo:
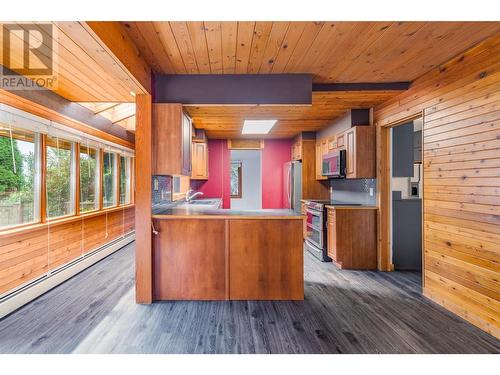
[316, 235]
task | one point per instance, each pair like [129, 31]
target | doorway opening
[406, 193]
[246, 179]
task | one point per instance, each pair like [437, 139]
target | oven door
[315, 236]
[314, 227]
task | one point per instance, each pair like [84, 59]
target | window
[60, 177]
[19, 182]
[89, 179]
[236, 179]
[109, 180]
[125, 170]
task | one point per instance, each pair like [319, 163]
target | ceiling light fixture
[257, 126]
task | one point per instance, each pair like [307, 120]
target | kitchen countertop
[354, 207]
[345, 206]
[211, 213]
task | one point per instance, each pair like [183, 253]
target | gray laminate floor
[343, 312]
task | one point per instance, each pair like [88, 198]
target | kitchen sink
[206, 202]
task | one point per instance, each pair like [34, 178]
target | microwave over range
[334, 164]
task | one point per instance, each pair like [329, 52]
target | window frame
[115, 179]
[37, 181]
[97, 182]
[74, 192]
[240, 174]
[128, 186]
[39, 128]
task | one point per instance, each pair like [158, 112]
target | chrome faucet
[190, 197]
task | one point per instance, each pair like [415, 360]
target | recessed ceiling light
[257, 126]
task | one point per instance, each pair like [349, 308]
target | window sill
[63, 220]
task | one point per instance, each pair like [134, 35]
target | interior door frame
[383, 139]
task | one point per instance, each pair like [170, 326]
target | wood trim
[77, 176]
[245, 144]
[240, 184]
[143, 171]
[101, 176]
[43, 178]
[49, 114]
[118, 177]
[227, 245]
[384, 191]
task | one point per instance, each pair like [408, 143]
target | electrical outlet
[371, 192]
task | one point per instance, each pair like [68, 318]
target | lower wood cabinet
[199, 161]
[228, 259]
[266, 260]
[189, 260]
[352, 237]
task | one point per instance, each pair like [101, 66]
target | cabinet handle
[155, 232]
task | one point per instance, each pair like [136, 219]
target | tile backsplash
[354, 190]
[161, 189]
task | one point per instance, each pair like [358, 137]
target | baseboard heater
[35, 288]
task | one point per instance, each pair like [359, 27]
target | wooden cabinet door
[331, 236]
[332, 143]
[340, 141]
[318, 161]
[200, 161]
[350, 142]
[186, 145]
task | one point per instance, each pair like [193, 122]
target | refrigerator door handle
[289, 187]
[290, 183]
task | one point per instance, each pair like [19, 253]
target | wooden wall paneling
[189, 267]
[35, 251]
[461, 180]
[259, 266]
[143, 173]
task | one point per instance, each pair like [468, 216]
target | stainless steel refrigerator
[292, 185]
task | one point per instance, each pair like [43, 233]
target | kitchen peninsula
[223, 254]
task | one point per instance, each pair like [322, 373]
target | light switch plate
[371, 192]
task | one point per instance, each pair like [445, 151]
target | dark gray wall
[402, 150]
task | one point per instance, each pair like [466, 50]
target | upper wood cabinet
[172, 133]
[360, 152]
[200, 161]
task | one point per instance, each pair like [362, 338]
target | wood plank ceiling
[227, 121]
[86, 70]
[330, 51]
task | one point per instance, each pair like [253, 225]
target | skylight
[257, 126]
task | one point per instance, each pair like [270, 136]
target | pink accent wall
[274, 155]
[218, 184]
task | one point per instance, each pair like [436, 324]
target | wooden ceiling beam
[114, 38]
